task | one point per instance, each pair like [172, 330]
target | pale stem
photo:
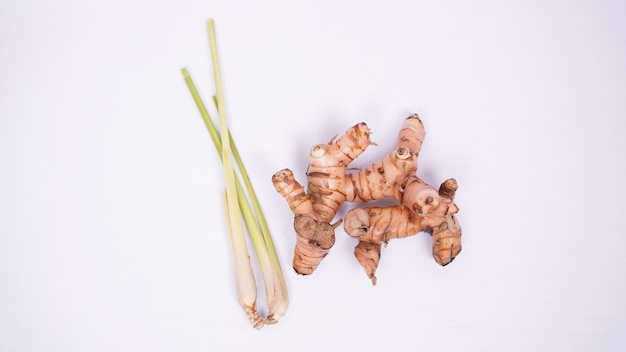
[244, 276]
[255, 221]
[258, 238]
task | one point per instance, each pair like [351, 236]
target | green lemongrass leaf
[257, 238]
[253, 215]
[229, 172]
[276, 288]
[217, 141]
[260, 217]
[277, 295]
[215, 136]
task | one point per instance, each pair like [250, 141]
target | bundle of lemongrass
[241, 204]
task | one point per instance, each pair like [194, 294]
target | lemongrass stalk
[270, 267]
[244, 277]
[236, 226]
[217, 141]
[215, 136]
[277, 297]
[276, 291]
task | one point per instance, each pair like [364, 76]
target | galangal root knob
[420, 207]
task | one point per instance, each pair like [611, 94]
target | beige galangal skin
[375, 226]
[315, 209]
[327, 170]
[421, 207]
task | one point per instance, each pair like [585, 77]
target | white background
[112, 234]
